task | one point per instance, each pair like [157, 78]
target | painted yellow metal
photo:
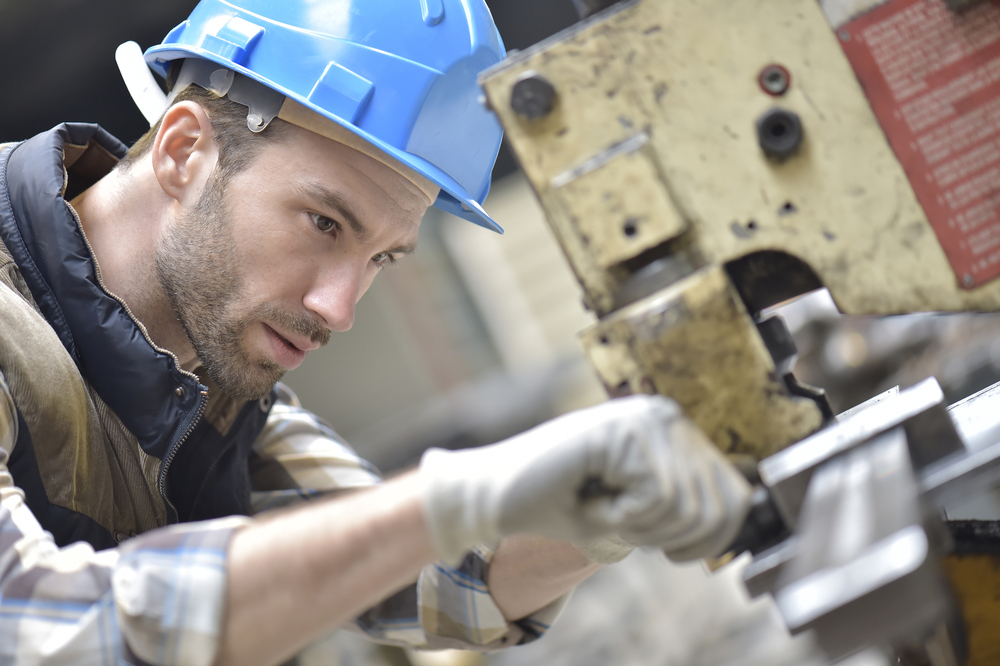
[975, 579]
[655, 120]
[684, 75]
[614, 212]
[694, 341]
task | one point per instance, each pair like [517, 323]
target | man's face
[264, 266]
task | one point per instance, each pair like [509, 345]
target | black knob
[780, 133]
[533, 97]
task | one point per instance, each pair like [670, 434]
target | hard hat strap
[263, 103]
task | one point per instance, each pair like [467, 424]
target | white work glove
[634, 467]
[606, 549]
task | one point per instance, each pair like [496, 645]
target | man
[149, 302]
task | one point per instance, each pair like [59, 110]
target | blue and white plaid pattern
[159, 597]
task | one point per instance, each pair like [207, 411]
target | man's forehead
[297, 114]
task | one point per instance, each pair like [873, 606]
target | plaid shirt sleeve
[158, 599]
[299, 456]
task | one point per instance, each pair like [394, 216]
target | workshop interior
[784, 214]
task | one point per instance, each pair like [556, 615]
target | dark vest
[114, 438]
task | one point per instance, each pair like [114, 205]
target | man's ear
[184, 152]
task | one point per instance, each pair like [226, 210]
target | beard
[198, 268]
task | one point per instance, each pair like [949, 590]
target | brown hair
[238, 146]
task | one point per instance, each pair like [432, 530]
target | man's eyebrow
[334, 201]
[408, 248]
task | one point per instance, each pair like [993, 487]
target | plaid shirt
[158, 598]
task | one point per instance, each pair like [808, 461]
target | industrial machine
[699, 162]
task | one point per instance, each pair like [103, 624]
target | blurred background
[473, 339]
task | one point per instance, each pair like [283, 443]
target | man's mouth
[286, 352]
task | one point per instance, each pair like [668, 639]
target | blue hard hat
[400, 74]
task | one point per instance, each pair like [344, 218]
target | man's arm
[529, 572]
[298, 574]
[634, 467]
[298, 457]
[298, 451]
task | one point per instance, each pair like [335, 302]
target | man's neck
[122, 216]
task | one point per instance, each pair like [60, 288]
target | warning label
[933, 79]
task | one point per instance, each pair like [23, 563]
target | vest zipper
[202, 398]
[192, 423]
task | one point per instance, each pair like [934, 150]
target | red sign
[933, 78]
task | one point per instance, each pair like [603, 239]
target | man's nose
[334, 296]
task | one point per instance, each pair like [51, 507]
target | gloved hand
[635, 467]
[606, 549]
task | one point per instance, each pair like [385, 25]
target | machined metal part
[790, 570]
[977, 418]
[763, 527]
[866, 570]
[613, 218]
[779, 133]
[778, 340]
[681, 230]
[687, 75]
[695, 341]
[774, 80]
[976, 467]
[788, 472]
[649, 169]
[952, 478]
[532, 97]
[761, 575]
[652, 277]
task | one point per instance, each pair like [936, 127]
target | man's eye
[323, 223]
[383, 258]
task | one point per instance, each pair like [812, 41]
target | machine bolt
[779, 132]
[774, 80]
[532, 97]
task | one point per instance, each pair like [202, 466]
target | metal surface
[686, 204]
[763, 527]
[532, 97]
[977, 466]
[977, 418]
[863, 566]
[774, 80]
[609, 210]
[866, 570]
[779, 133]
[649, 168]
[695, 342]
[927, 72]
[761, 575]
[688, 71]
[788, 472]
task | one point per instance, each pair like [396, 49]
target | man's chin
[246, 384]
